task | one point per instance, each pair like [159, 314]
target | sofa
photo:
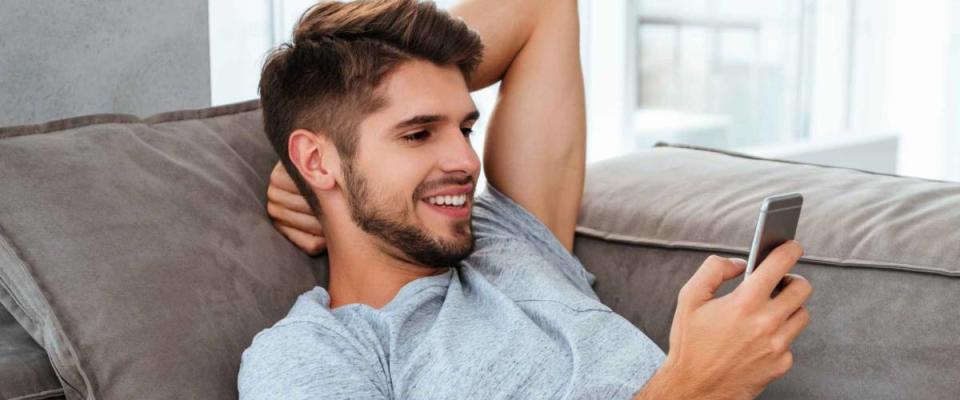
[137, 259]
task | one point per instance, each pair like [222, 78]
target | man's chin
[458, 237]
[455, 242]
[450, 248]
[431, 242]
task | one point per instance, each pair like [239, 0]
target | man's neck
[362, 271]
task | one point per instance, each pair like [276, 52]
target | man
[436, 294]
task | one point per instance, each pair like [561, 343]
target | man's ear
[315, 157]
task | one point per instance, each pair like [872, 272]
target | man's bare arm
[535, 150]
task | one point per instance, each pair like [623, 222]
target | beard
[394, 229]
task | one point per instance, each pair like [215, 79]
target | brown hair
[324, 80]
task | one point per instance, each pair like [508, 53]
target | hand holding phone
[744, 336]
[777, 224]
[723, 332]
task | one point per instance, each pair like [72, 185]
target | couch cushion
[881, 251]
[25, 371]
[138, 253]
[684, 197]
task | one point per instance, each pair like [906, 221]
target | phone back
[777, 224]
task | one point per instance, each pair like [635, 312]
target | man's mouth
[452, 202]
[448, 201]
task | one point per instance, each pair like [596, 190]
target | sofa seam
[65, 124]
[46, 394]
[700, 246]
[782, 161]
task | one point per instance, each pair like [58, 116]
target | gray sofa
[137, 261]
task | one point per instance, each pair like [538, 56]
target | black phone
[777, 224]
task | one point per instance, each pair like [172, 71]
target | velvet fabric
[138, 253]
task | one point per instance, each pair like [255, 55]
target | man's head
[368, 107]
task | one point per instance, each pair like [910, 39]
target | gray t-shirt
[517, 319]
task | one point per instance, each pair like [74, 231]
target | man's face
[412, 154]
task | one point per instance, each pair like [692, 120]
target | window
[735, 73]
[865, 84]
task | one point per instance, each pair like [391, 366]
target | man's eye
[417, 136]
[467, 131]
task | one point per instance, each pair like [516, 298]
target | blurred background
[871, 84]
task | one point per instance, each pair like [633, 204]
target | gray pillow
[138, 253]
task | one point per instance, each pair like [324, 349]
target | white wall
[917, 92]
[240, 36]
[607, 55]
[951, 149]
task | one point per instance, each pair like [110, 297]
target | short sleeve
[496, 215]
[303, 360]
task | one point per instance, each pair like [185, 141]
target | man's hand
[733, 346]
[291, 214]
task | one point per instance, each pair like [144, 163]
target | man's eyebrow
[471, 116]
[431, 118]
[420, 120]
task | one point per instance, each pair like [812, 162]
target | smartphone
[777, 224]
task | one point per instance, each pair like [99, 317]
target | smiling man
[436, 293]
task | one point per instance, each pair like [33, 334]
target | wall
[241, 35]
[917, 92]
[66, 58]
[952, 132]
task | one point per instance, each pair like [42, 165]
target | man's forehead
[423, 88]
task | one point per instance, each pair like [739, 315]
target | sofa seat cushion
[138, 253]
[882, 252]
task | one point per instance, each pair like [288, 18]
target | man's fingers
[705, 282]
[307, 223]
[795, 324]
[281, 179]
[792, 297]
[308, 243]
[291, 200]
[766, 276]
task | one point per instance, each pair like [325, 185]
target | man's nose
[459, 154]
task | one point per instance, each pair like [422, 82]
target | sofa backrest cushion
[882, 252]
[139, 254]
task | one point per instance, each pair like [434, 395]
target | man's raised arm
[535, 150]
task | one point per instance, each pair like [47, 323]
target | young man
[436, 294]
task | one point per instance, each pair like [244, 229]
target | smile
[450, 201]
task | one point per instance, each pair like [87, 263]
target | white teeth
[448, 200]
